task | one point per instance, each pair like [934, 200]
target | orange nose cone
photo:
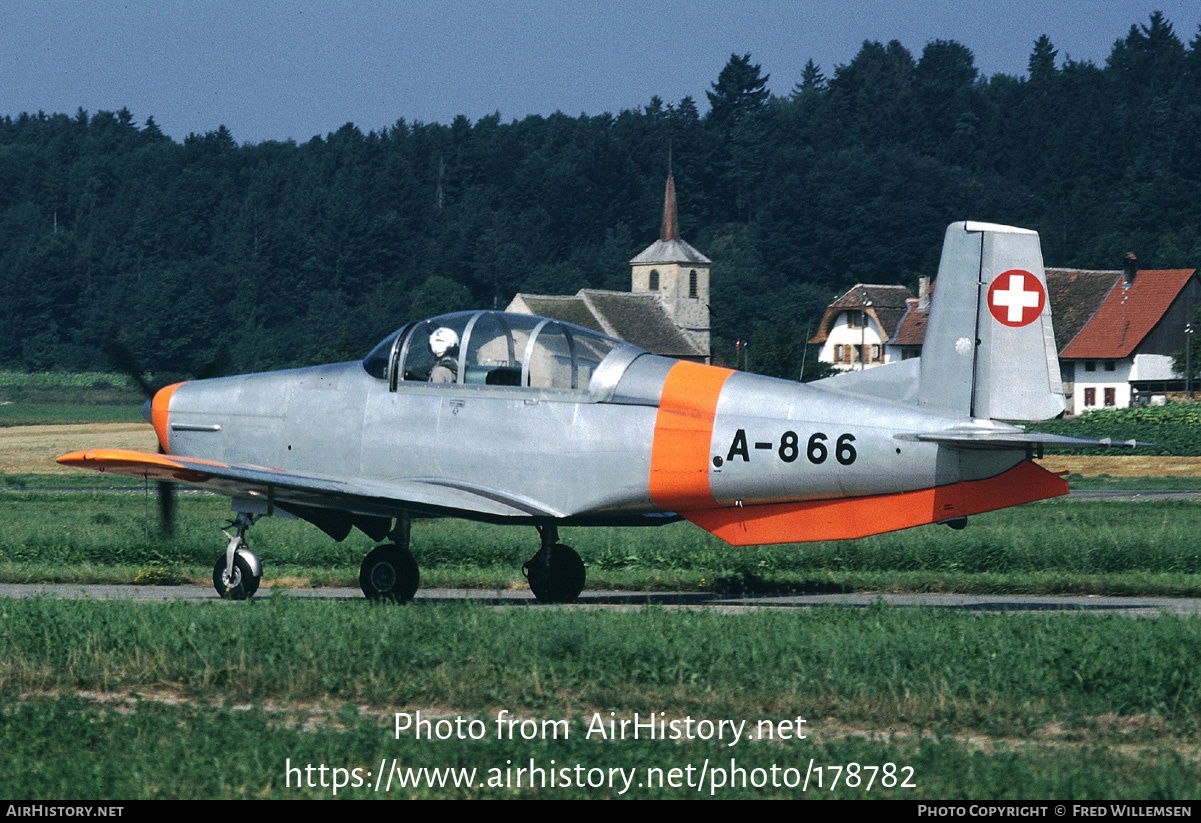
[160, 408]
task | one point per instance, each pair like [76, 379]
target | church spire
[671, 223]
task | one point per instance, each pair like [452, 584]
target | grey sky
[278, 70]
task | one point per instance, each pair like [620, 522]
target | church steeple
[671, 223]
[676, 274]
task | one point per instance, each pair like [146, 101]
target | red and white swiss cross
[1016, 298]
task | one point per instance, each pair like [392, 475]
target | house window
[875, 354]
[654, 285]
[1110, 365]
[837, 352]
[1111, 397]
[1090, 365]
[692, 283]
[1090, 397]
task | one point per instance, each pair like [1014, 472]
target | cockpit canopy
[495, 349]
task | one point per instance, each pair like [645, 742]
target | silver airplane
[518, 419]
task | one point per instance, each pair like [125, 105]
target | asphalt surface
[1128, 606]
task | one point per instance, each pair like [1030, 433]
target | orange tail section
[862, 516]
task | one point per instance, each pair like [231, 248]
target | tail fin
[990, 349]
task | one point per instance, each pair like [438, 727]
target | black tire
[559, 581]
[243, 583]
[389, 572]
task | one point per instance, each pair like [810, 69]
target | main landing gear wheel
[556, 574]
[389, 572]
[242, 582]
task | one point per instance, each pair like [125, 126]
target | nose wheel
[237, 573]
[556, 573]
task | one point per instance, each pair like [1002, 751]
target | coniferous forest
[288, 253]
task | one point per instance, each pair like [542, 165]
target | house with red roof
[1122, 355]
[1116, 331]
[911, 331]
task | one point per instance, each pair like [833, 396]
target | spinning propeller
[124, 361]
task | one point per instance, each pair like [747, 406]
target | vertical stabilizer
[990, 348]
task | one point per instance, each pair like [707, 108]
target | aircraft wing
[295, 491]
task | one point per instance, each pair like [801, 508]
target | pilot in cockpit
[444, 343]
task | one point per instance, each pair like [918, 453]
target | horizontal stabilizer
[980, 438]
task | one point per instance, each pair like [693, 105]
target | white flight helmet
[443, 340]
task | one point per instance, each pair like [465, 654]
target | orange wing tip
[102, 458]
[137, 464]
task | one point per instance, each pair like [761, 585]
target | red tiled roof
[1127, 315]
[912, 331]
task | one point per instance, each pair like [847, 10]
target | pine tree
[1042, 61]
[739, 92]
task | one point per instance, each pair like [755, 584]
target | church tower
[676, 274]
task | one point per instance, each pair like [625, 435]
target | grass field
[1051, 547]
[213, 699]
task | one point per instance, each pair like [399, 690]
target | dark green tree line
[284, 252]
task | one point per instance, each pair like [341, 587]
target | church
[666, 310]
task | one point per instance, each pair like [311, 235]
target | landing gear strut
[389, 572]
[238, 572]
[556, 572]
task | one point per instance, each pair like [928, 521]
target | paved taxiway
[980, 603]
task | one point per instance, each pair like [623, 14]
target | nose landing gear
[556, 573]
[238, 572]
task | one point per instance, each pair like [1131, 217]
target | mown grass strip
[878, 668]
[75, 749]
[1103, 547]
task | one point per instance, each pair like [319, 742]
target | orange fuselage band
[679, 478]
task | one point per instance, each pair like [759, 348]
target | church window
[692, 283]
[654, 284]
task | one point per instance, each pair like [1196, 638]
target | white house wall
[843, 334]
[1100, 380]
[1153, 367]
